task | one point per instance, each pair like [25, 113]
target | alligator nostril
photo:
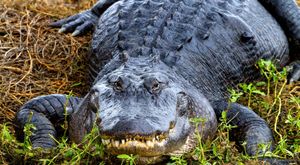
[155, 86]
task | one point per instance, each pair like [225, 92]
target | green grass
[274, 100]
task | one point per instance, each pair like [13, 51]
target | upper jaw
[150, 146]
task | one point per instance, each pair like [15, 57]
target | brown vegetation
[36, 60]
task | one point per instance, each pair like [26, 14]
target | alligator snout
[139, 129]
[134, 127]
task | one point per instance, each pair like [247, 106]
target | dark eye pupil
[155, 86]
[118, 85]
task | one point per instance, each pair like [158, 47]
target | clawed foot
[294, 72]
[77, 24]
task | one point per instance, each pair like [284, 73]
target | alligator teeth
[162, 142]
[150, 143]
[155, 141]
[105, 141]
[117, 143]
[157, 138]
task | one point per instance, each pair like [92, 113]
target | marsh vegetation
[36, 60]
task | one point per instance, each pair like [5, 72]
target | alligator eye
[118, 85]
[155, 87]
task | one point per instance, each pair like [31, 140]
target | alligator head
[143, 108]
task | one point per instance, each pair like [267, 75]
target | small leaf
[69, 153]
[76, 84]
[259, 84]
[224, 115]
[123, 156]
[259, 92]
[30, 154]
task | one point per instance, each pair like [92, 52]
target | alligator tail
[46, 113]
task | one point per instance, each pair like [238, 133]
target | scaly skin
[83, 22]
[288, 14]
[46, 113]
[157, 64]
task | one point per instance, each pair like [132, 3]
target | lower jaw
[151, 155]
[140, 157]
[141, 152]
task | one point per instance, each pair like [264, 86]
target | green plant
[250, 89]
[234, 95]
[129, 159]
[267, 69]
[200, 149]
[178, 160]
[76, 153]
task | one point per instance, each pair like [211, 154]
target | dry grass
[36, 60]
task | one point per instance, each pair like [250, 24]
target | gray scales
[154, 64]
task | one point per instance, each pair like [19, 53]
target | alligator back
[211, 43]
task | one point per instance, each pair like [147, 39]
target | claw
[75, 33]
[294, 73]
[61, 30]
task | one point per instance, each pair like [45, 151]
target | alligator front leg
[287, 13]
[251, 128]
[46, 113]
[84, 21]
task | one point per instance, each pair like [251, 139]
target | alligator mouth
[148, 151]
[141, 145]
[134, 143]
[141, 142]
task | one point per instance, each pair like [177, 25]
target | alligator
[156, 64]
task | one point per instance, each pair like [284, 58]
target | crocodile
[156, 64]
